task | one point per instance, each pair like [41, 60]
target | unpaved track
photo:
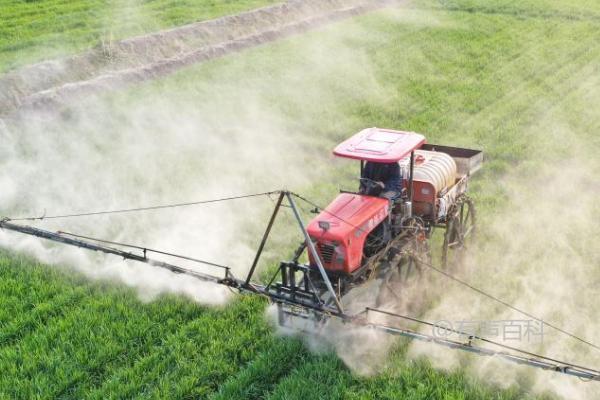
[52, 84]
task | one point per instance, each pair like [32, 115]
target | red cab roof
[379, 145]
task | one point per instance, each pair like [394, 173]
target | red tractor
[361, 234]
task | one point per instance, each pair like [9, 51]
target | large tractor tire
[460, 231]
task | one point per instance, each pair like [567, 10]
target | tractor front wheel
[404, 271]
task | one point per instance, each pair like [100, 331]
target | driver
[387, 178]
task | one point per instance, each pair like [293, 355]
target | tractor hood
[348, 216]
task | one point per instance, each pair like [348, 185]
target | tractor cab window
[381, 179]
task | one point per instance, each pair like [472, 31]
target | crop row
[33, 30]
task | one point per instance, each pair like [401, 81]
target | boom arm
[521, 356]
[57, 237]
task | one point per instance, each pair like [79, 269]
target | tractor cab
[392, 152]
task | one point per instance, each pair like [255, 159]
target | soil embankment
[49, 85]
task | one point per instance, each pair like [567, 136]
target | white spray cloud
[538, 252]
[171, 142]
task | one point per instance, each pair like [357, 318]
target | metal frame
[411, 177]
[265, 237]
[309, 245]
[313, 252]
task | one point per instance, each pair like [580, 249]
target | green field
[519, 79]
[35, 30]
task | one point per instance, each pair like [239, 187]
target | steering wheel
[371, 186]
[369, 182]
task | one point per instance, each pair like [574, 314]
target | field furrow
[262, 374]
[190, 361]
[49, 353]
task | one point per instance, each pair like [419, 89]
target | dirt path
[52, 84]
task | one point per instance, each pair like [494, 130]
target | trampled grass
[34, 30]
[470, 73]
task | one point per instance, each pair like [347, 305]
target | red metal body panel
[350, 218]
[379, 145]
[424, 197]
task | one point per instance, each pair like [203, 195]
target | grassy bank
[31, 31]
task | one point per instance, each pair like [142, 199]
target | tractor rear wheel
[460, 230]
